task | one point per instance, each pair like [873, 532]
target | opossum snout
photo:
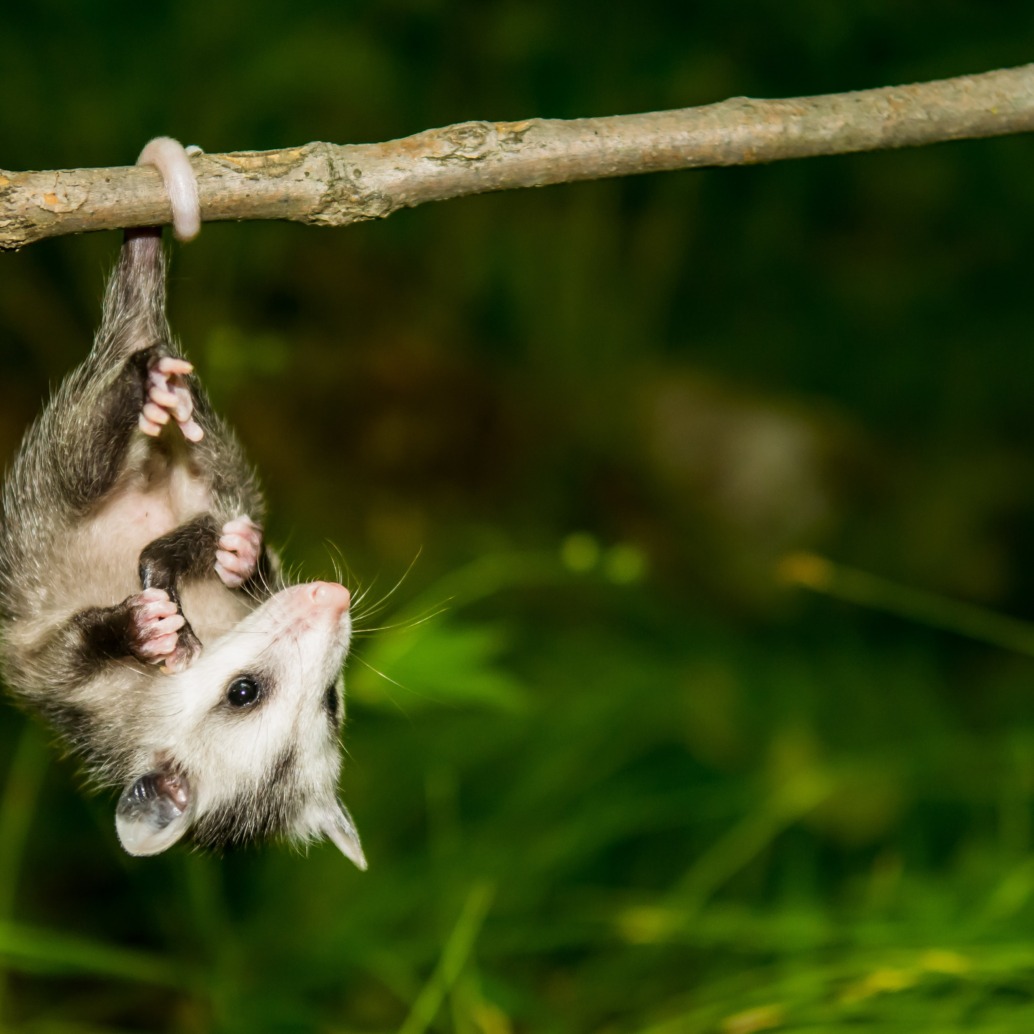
[321, 596]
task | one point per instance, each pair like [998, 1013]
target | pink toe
[171, 364]
[192, 431]
[231, 561]
[162, 397]
[155, 414]
[231, 579]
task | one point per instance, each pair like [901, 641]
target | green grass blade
[927, 608]
[452, 962]
[33, 950]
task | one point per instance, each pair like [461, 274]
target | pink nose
[329, 595]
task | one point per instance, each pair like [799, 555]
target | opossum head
[247, 741]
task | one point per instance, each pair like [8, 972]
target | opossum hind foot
[169, 396]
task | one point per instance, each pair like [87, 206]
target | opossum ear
[153, 812]
[340, 828]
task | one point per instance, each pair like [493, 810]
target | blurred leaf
[41, 951]
[439, 663]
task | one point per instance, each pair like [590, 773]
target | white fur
[296, 642]
[300, 636]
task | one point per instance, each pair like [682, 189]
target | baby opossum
[143, 615]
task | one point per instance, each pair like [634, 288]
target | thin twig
[335, 185]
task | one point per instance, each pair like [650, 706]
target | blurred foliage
[610, 773]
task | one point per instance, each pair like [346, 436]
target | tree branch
[335, 185]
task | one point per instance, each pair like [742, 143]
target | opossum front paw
[160, 633]
[188, 646]
[237, 555]
[156, 624]
[168, 395]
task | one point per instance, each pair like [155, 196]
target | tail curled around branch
[134, 304]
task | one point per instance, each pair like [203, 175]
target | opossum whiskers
[345, 574]
[362, 610]
[387, 678]
[260, 586]
[434, 611]
[341, 565]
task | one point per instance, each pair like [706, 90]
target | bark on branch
[335, 185]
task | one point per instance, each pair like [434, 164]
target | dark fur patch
[256, 813]
[71, 721]
[99, 467]
[71, 653]
[331, 704]
[188, 550]
[103, 633]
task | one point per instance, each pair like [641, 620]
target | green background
[612, 774]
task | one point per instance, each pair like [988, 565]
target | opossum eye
[243, 691]
[330, 700]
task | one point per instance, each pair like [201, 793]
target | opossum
[142, 613]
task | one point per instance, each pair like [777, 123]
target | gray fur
[86, 494]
